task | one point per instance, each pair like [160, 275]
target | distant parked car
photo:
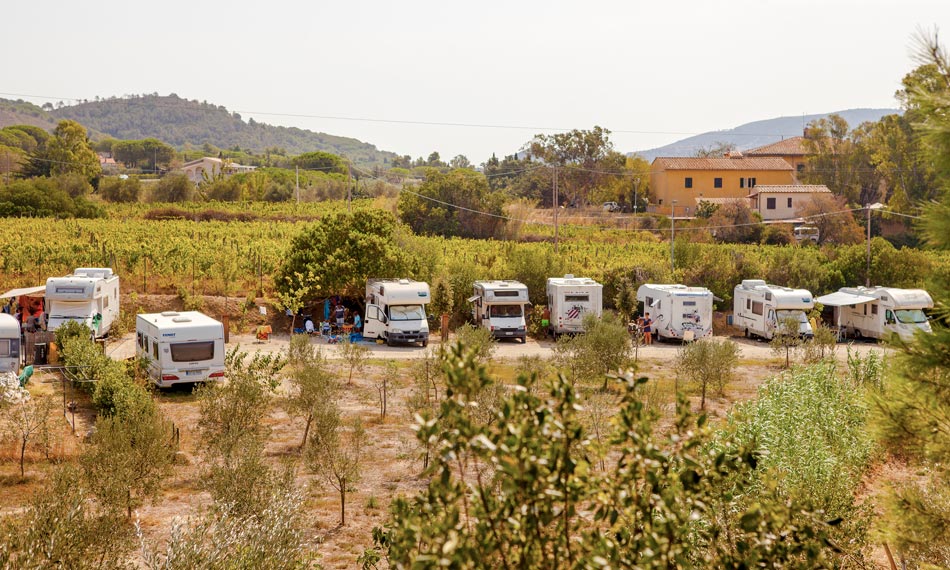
[806, 234]
[612, 207]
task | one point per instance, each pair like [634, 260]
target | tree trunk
[342, 505]
[702, 401]
[306, 430]
[22, 454]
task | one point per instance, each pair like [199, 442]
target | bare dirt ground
[392, 467]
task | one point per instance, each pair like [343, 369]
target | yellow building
[689, 180]
[791, 150]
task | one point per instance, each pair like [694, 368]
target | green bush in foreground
[520, 491]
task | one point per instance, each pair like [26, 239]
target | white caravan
[569, 300]
[90, 295]
[9, 344]
[499, 306]
[396, 311]
[677, 311]
[759, 308]
[180, 347]
[878, 312]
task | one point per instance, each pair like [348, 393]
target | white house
[783, 202]
[197, 170]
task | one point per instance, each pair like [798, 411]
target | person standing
[357, 322]
[647, 329]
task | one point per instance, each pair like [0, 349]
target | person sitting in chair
[308, 326]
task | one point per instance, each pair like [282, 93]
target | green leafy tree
[541, 505]
[311, 383]
[26, 422]
[913, 409]
[457, 203]
[786, 338]
[708, 364]
[585, 160]
[68, 151]
[354, 356]
[131, 454]
[173, 188]
[320, 161]
[232, 413]
[336, 454]
[338, 255]
[64, 528]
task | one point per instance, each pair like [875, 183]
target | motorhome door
[375, 322]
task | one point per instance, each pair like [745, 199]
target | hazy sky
[663, 69]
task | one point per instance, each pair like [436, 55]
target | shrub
[708, 364]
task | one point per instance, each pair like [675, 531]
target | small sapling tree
[708, 364]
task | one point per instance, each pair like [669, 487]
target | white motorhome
[499, 306]
[90, 295]
[396, 311]
[677, 312]
[878, 312]
[9, 344]
[760, 308]
[180, 347]
[569, 300]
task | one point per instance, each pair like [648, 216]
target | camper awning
[28, 291]
[473, 298]
[839, 299]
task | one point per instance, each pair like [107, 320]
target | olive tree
[708, 364]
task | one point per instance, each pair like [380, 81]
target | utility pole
[672, 237]
[556, 208]
[297, 168]
[867, 273]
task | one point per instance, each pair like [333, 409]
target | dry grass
[392, 467]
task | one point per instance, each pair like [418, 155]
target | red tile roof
[794, 146]
[790, 189]
[735, 163]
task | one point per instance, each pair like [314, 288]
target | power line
[403, 121]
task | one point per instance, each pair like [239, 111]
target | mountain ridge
[182, 123]
[758, 133]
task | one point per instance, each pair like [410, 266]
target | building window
[770, 203]
[789, 201]
[661, 201]
[717, 182]
[800, 167]
[689, 182]
[741, 182]
[751, 182]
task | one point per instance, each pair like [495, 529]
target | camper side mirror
[384, 320]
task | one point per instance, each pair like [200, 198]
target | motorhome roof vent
[169, 313]
[181, 319]
[569, 276]
[403, 281]
[752, 283]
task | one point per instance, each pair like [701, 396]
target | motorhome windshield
[797, 315]
[406, 313]
[501, 311]
[910, 316]
[192, 351]
[577, 298]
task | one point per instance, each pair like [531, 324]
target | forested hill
[178, 122]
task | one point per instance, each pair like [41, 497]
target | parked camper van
[570, 299]
[9, 344]
[499, 306]
[677, 311]
[806, 234]
[90, 295]
[759, 308]
[180, 347]
[396, 311]
[878, 312]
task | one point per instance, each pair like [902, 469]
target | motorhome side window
[155, 350]
[689, 303]
[105, 302]
[756, 307]
[192, 351]
[873, 309]
[577, 298]
[648, 302]
[5, 348]
[748, 304]
[141, 340]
